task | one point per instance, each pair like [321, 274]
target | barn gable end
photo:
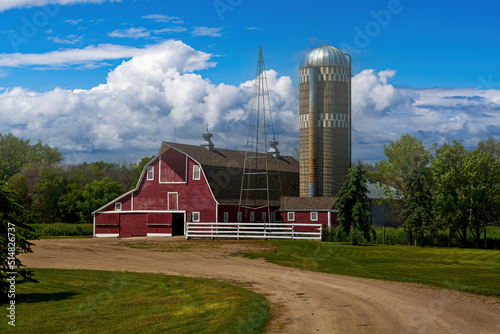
[166, 196]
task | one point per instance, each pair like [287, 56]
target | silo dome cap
[324, 55]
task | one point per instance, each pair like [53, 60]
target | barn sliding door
[173, 201]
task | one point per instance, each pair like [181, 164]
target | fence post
[238, 231]
[383, 234]
[293, 232]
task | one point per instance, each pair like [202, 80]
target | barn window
[151, 173]
[196, 217]
[273, 216]
[291, 216]
[226, 217]
[252, 216]
[263, 216]
[239, 217]
[196, 172]
[118, 206]
[314, 216]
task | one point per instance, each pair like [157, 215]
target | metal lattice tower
[261, 181]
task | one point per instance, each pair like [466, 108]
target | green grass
[65, 237]
[79, 301]
[62, 229]
[181, 245]
[470, 270]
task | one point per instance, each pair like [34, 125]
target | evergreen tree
[353, 205]
[15, 238]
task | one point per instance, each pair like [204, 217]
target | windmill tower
[261, 182]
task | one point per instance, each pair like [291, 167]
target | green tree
[47, 192]
[482, 190]
[489, 146]
[450, 182]
[70, 202]
[417, 211]
[354, 207]
[15, 238]
[16, 152]
[95, 195]
[404, 156]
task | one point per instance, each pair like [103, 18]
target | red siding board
[173, 166]
[133, 224]
[159, 222]
[233, 213]
[107, 223]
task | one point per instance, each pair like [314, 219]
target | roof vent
[273, 150]
[207, 141]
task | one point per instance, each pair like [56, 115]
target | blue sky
[112, 79]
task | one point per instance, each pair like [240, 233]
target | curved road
[301, 301]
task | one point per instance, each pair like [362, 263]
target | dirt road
[301, 301]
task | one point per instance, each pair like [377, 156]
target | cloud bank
[160, 94]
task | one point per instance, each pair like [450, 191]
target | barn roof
[307, 203]
[376, 190]
[223, 170]
[233, 158]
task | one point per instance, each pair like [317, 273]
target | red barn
[189, 183]
[309, 210]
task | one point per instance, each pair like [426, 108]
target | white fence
[254, 230]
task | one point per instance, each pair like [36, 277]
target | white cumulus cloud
[382, 112]
[159, 93]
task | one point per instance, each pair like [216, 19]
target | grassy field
[440, 238]
[78, 301]
[469, 270]
[62, 229]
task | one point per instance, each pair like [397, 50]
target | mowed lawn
[84, 301]
[469, 270]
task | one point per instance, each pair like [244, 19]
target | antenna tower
[261, 182]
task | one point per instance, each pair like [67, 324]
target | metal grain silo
[325, 121]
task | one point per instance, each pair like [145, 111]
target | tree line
[50, 191]
[429, 189]
[446, 188]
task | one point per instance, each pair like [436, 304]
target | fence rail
[254, 230]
